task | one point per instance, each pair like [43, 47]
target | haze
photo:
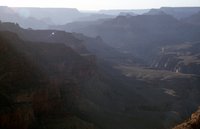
[100, 4]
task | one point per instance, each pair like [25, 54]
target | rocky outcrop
[192, 123]
[183, 58]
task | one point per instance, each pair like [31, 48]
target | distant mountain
[139, 35]
[77, 26]
[177, 12]
[194, 19]
[127, 14]
[180, 12]
[118, 11]
[41, 18]
[57, 15]
[95, 17]
[155, 12]
[9, 15]
[49, 16]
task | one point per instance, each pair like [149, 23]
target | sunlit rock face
[183, 58]
[192, 123]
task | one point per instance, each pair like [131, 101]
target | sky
[100, 4]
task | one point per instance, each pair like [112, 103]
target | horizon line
[112, 9]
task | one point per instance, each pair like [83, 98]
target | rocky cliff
[182, 58]
[192, 123]
[39, 82]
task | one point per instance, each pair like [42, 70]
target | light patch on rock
[170, 92]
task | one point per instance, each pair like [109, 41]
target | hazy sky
[100, 4]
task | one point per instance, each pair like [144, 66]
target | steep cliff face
[17, 76]
[192, 123]
[182, 58]
[40, 82]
